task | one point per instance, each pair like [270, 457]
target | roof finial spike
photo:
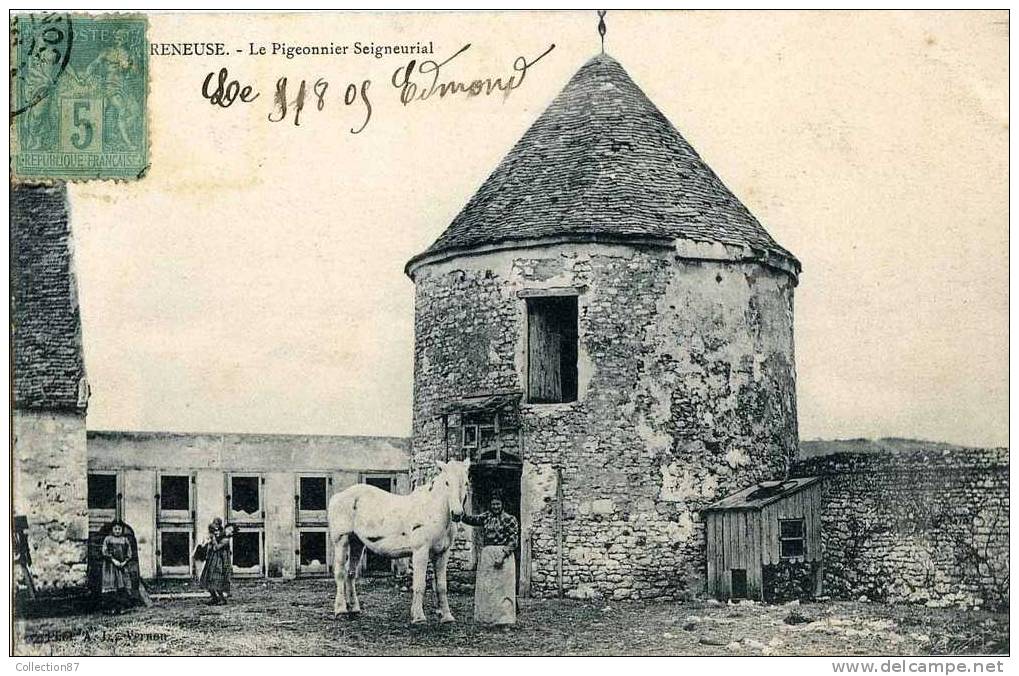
[601, 28]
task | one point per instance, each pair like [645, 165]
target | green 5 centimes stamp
[78, 101]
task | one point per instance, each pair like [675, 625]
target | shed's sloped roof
[46, 328]
[761, 494]
[603, 161]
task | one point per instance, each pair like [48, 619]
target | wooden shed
[764, 543]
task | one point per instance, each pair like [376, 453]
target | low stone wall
[50, 489]
[918, 526]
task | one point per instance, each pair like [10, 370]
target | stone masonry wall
[789, 580]
[686, 393]
[922, 526]
[50, 488]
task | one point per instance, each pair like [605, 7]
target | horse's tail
[357, 554]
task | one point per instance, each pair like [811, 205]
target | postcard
[510, 333]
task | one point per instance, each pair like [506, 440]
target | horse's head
[454, 476]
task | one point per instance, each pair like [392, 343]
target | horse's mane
[430, 484]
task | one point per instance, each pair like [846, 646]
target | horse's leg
[355, 604]
[420, 562]
[340, 555]
[439, 583]
[348, 586]
[354, 564]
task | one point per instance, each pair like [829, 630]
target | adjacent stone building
[274, 487]
[608, 333]
[50, 391]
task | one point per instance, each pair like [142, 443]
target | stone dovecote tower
[607, 331]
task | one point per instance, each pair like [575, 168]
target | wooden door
[544, 359]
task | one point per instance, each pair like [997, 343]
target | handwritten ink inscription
[411, 90]
[414, 82]
[226, 92]
[352, 95]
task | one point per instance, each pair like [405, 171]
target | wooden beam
[552, 291]
[710, 547]
[525, 562]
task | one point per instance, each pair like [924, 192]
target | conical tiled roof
[603, 163]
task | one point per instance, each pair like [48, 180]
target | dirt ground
[295, 618]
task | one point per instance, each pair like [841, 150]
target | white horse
[420, 525]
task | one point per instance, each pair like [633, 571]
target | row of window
[175, 547]
[245, 497]
[175, 496]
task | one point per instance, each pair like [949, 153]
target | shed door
[739, 583]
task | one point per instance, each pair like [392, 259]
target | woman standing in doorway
[495, 588]
[216, 573]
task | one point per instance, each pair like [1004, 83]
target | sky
[253, 280]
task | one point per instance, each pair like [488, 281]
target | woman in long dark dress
[116, 580]
[217, 571]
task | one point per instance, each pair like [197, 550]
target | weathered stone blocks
[789, 580]
[50, 485]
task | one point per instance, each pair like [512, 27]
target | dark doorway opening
[376, 564]
[739, 583]
[491, 479]
[95, 556]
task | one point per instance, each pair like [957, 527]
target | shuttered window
[314, 493]
[174, 492]
[102, 491]
[552, 349]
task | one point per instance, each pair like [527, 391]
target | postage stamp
[78, 102]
